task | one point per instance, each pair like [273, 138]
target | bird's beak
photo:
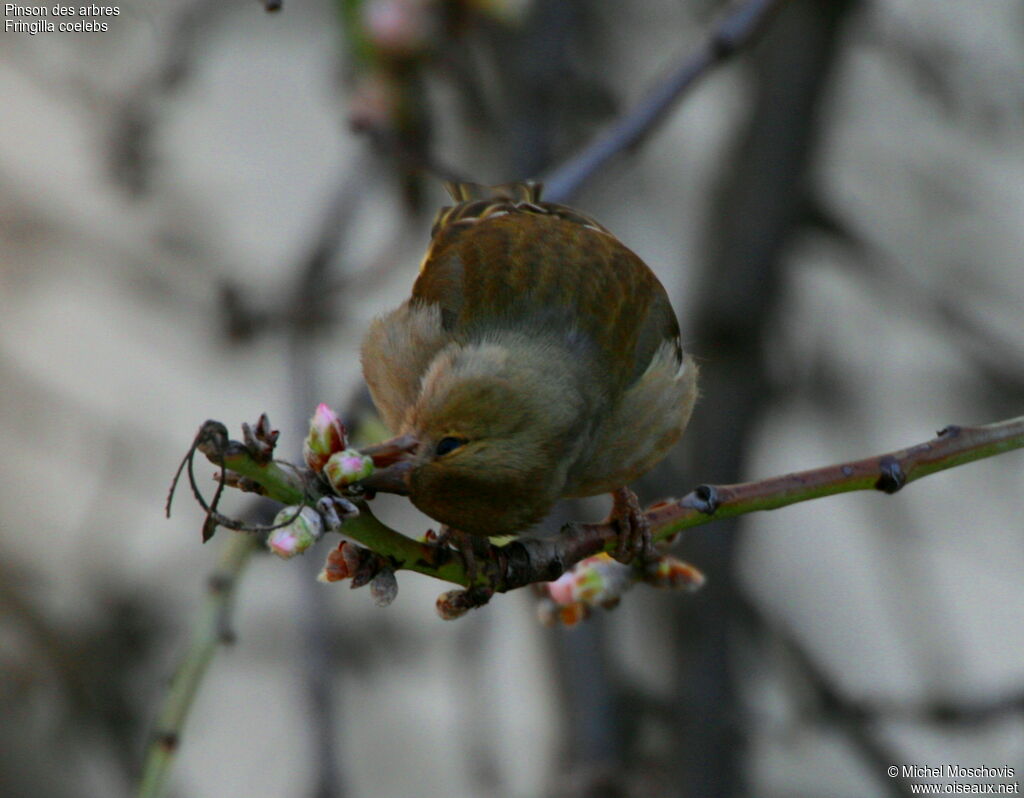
[391, 451]
[394, 465]
[393, 479]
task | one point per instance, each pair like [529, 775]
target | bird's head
[491, 432]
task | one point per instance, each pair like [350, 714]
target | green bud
[326, 436]
[304, 530]
[345, 467]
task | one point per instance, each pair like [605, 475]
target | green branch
[954, 446]
[295, 485]
[540, 560]
[210, 629]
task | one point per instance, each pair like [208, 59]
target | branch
[530, 560]
[211, 629]
[733, 32]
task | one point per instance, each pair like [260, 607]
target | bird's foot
[468, 546]
[634, 529]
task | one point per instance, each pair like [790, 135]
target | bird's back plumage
[513, 262]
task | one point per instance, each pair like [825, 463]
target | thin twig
[542, 559]
[211, 629]
[734, 31]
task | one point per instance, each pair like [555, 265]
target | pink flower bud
[595, 580]
[326, 436]
[303, 531]
[345, 467]
[398, 27]
[561, 589]
[601, 581]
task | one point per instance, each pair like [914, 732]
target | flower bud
[593, 581]
[345, 467]
[341, 562]
[456, 603]
[398, 27]
[326, 436]
[669, 572]
[304, 530]
[550, 613]
[452, 605]
[384, 587]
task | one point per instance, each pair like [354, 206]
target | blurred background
[202, 208]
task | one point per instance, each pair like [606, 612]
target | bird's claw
[466, 545]
[635, 538]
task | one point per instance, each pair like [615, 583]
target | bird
[537, 358]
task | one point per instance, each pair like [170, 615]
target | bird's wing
[638, 433]
[509, 261]
[396, 352]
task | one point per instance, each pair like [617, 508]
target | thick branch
[733, 32]
[543, 559]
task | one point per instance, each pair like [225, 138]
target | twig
[733, 32]
[997, 358]
[134, 117]
[211, 629]
[531, 560]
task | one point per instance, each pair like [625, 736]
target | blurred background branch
[739, 24]
[211, 629]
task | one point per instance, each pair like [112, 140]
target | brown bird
[537, 358]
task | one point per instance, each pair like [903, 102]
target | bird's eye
[448, 444]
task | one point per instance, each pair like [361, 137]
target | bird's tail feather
[476, 202]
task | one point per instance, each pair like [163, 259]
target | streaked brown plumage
[540, 354]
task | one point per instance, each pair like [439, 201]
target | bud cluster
[600, 581]
[326, 451]
[362, 566]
